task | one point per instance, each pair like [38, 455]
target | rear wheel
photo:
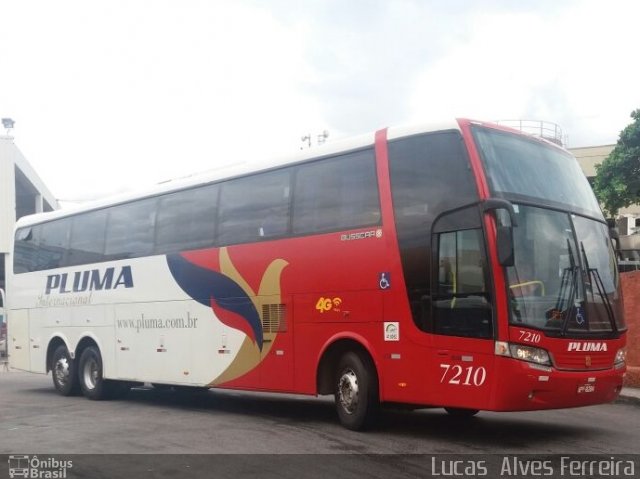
[461, 412]
[356, 391]
[63, 372]
[93, 385]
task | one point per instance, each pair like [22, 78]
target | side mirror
[505, 245]
[504, 237]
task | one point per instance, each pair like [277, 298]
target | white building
[22, 193]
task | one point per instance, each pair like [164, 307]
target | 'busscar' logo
[587, 347]
[91, 280]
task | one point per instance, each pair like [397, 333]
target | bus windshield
[529, 169]
[564, 279]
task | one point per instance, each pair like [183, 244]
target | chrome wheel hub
[91, 373]
[348, 391]
[61, 371]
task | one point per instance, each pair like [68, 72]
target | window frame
[337, 158]
[292, 170]
[470, 217]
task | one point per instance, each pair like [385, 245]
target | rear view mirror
[504, 237]
[505, 245]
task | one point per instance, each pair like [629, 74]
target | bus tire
[356, 391]
[461, 412]
[93, 385]
[63, 372]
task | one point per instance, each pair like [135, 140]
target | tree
[617, 182]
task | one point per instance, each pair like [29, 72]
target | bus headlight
[530, 354]
[523, 353]
[621, 357]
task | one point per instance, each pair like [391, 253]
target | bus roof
[237, 170]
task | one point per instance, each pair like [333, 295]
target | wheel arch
[54, 342]
[84, 342]
[331, 353]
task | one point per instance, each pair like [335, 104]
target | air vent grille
[274, 318]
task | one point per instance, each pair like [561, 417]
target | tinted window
[254, 208]
[52, 239]
[186, 220]
[336, 194]
[24, 251]
[87, 238]
[130, 229]
[41, 247]
[430, 174]
[530, 169]
[461, 303]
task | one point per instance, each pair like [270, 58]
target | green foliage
[617, 182]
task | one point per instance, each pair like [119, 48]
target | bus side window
[53, 242]
[87, 238]
[24, 251]
[336, 194]
[430, 174]
[186, 220]
[130, 230]
[254, 208]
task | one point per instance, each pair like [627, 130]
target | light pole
[8, 124]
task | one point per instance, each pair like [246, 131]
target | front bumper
[521, 387]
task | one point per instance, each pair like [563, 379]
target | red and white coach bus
[464, 266]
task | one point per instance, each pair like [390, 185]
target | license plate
[586, 388]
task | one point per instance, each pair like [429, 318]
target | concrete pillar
[7, 193]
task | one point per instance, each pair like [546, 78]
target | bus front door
[463, 343]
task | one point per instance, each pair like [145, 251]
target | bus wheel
[461, 412]
[356, 392]
[63, 372]
[90, 374]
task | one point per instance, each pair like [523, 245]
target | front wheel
[356, 391]
[63, 372]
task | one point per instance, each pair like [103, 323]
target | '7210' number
[529, 337]
[469, 376]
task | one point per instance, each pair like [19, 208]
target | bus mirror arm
[499, 204]
[504, 233]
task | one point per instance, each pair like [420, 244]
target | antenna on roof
[322, 137]
[308, 138]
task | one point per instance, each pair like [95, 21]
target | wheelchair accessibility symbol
[385, 280]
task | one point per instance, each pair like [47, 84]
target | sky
[112, 96]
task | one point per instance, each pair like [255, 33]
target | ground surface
[35, 420]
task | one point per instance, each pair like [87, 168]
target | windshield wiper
[568, 283]
[594, 277]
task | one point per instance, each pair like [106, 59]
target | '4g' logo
[328, 304]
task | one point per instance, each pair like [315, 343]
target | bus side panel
[37, 341]
[149, 350]
[18, 337]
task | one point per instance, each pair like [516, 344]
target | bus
[463, 265]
